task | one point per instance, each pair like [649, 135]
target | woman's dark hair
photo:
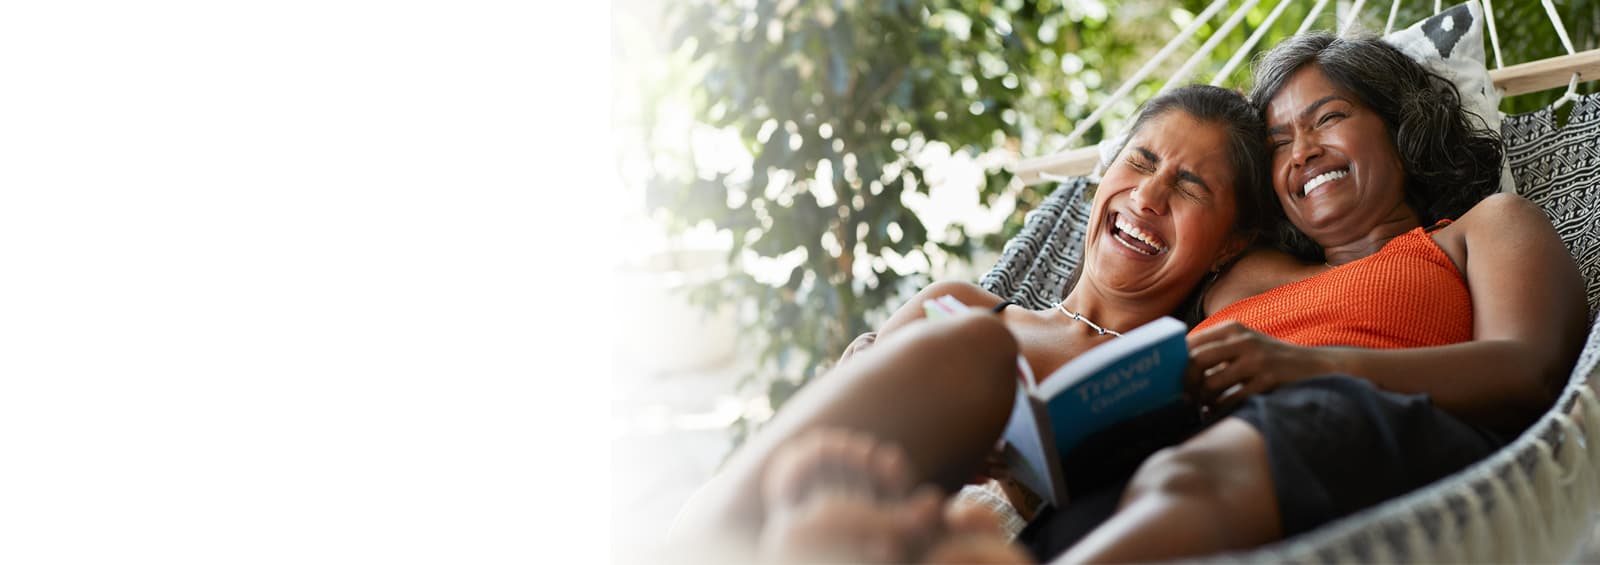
[1451, 162]
[1247, 145]
[1247, 154]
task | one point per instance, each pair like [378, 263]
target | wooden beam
[1070, 163]
[1513, 80]
[1547, 73]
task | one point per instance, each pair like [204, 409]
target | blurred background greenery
[819, 147]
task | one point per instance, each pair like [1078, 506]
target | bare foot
[836, 496]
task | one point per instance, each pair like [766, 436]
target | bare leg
[1213, 493]
[942, 390]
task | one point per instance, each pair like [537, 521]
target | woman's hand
[1231, 355]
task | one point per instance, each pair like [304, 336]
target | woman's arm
[1528, 314]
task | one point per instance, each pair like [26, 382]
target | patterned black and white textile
[1039, 265]
[1559, 169]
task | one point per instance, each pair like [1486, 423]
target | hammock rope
[1561, 29]
[1344, 28]
[1494, 36]
[1182, 75]
[1249, 44]
[1144, 71]
[1311, 18]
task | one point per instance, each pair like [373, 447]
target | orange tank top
[1408, 294]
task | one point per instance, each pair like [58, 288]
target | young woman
[1184, 196]
[1454, 317]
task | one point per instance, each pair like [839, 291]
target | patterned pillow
[1451, 44]
[1558, 168]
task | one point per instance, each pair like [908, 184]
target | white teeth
[1141, 235]
[1322, 179]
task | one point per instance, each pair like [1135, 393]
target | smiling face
[1164, 212]
[1335, 168]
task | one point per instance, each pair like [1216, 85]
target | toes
[892, 470]
[837, 460]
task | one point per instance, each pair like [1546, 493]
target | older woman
[1184, 196]
[1454, 318]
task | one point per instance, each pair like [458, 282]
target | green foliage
[833, 101]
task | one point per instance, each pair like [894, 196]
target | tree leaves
[855, 90]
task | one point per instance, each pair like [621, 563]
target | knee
[972, 357]
[1219, 480]
[978, 342]
[1180, 471]
[981, 331]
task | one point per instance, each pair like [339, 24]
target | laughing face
[1335, 168]
[1163, 214]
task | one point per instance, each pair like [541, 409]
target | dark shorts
[1338, 445]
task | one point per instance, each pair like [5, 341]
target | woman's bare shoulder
[1502, 211]
[1499, 219]
[1258, 270]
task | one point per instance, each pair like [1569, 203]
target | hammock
[1535, 500]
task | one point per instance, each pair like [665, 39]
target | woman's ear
[1231, 250]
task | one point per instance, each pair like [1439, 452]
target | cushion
[1558, 168]
[1450, 43]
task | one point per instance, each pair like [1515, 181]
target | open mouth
[1132, 237]
[1319, 181]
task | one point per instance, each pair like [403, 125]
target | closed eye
[1139, 164]
[1328, 117]
[1187, 190]
[1191, 186]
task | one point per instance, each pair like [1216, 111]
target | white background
[295, 282]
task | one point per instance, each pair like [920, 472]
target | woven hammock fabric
[1559, 169]
[1040, 263]
[1533, 501]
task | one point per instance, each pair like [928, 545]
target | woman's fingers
[1230, 362]
[1232, 398]
[1222, 364]
[1226, 377]
[1234, 363]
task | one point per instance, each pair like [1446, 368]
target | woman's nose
[1303, 149]
[1151, 195]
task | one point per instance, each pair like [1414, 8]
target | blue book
[1115, 382]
